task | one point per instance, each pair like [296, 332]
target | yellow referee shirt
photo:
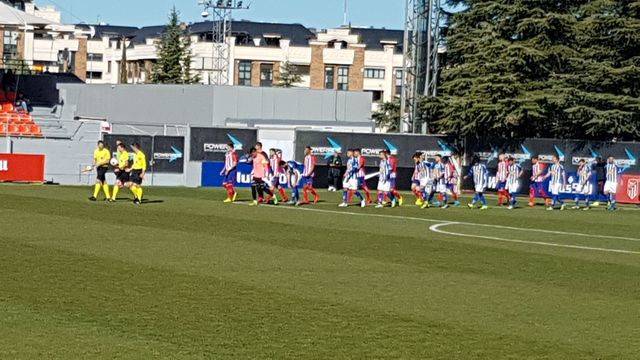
[123, 160]
[101, 157]
[139, 161]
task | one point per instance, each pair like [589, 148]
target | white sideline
[436, 228]
[440, 223]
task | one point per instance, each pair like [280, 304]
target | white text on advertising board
[4, 165]
[219, 148]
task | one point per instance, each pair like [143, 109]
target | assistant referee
[101, 157]
[138, 171]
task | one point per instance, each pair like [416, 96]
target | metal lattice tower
[221, 13]
[421, 43]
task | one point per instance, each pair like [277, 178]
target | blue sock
[475, 199]
[390, 196]
[359, 195]
[482, 199]
[296, 194]
[577, 200]
[513, 199]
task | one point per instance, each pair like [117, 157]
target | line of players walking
[434, 183]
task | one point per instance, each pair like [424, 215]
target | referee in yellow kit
[138, 171]
[101, 158]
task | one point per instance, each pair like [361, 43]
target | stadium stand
[16, 122]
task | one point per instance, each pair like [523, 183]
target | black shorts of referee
[102, 173]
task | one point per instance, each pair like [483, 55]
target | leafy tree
[388, 115]
[174, 55]
[289, 75]
[518, 68]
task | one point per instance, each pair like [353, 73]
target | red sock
[367, 193]
[349, 196]
[305, 193]
[396, 193]
[455, 197]
[316, 198]
[284, 195]
[418, 194]
[440, 198]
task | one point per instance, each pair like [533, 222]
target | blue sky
[312, 13]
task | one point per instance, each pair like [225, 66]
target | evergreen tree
[289, 75]
[388, 115]
[518, 68]
[174, 55]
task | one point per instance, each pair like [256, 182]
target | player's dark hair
[230, 144]
[308, 147]
[100, 142]
[136, 145]
[439, 155]
[121, 144]
[283, 163]
[534, 157]
[475, 160]
[258, 144]
[252, 150]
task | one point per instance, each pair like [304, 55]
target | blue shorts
[362, 182]
[501, 185]
[306, 181]
[230, 178]
[538, 189]
[415, 182]
[392, 182]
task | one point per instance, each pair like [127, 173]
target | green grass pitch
[188, 277]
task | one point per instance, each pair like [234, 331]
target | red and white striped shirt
[537, 172]
[503, 171]
[309, 166]
[274, 163]
[230, 160]
[362, 162]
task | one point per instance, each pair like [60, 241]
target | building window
[272, 41]
[343, 78]
[109, 67]
[244, 73]
[94, 75]
[10, 45]
[399, 81]
[376, 95]
[303, 70]
[370, 73]
[328, 77]
[94, 57]
[266, 75]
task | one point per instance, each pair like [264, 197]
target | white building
[350, 59]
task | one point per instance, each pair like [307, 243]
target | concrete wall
[172, 110]
[212, 106]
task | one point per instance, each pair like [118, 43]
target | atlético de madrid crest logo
[633, 186]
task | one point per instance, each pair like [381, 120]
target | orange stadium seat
[14, 130]
[3, 129]
[35, 130]
[11, 96]
[7, 107]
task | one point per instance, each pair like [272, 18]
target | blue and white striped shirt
[612, 172]
[479, 174]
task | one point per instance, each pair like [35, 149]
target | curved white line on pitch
[398, 217]
[436, 228]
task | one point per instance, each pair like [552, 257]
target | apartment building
[344, 58]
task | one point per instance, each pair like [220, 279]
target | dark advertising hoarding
[168, 154]
[210, 144]
[324, 144]
[165, 154]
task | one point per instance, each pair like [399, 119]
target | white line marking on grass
[436, 228]
[398, 217]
